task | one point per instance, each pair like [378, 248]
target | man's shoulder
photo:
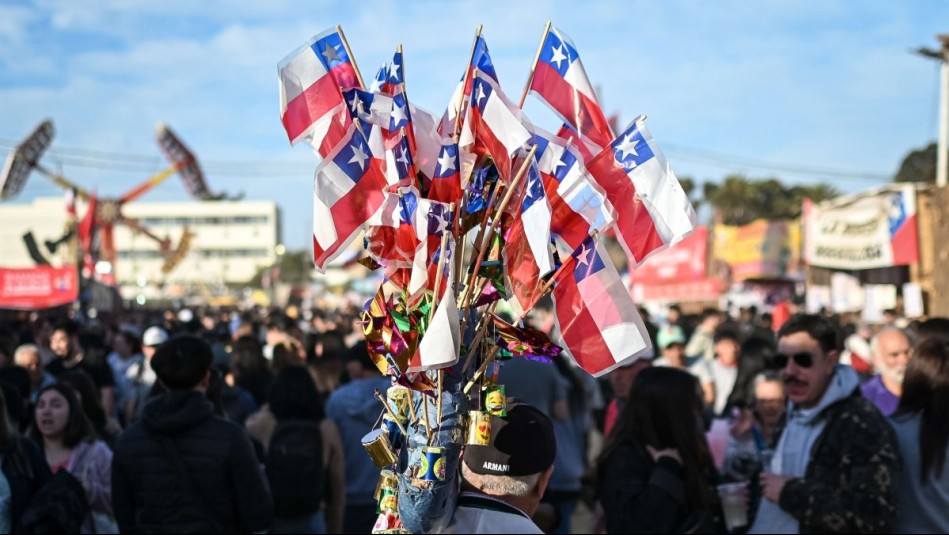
[857, 418]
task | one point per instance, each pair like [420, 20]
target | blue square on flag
[331, 51]
[439, 219]
[588, 261]
[481, 93]
[354, 158]
[630, 149]
[447, 163]
[535, 188]
[558, 53]
[565, 163]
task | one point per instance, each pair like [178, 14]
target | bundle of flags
[446, 203]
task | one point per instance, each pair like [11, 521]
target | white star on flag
[481, 94]
[446, 162]
[583, 258]
[359, 157]
[402, 159]
[442, 222]
[332, 53]
[394, 71]
[558, 55]
[627, 147]
[557, 165]
[397, 114]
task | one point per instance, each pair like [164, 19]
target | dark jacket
[26, 479]
[148, 491]
[850, 485]
[639, 495]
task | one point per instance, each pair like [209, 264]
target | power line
[722, 159]
[131, 162]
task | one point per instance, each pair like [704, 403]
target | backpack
[295, 468]
[60, 506]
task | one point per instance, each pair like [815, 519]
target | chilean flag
[560, 81]
[480, 60]
[652, 209]
[310, 98]
[446, 181]
[348, 190]
[527, 255]
[432, 220]
[578, 205]
[391, 237]
[599, 323]
[442, 340]
[493, 126]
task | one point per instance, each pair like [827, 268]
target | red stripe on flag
[905, 243]
[310, 106]
[634, 225]
[486, 139]
[566, 223]
[521, 265]
[580, 333]
[574, 107]
[352, 210]
[345, 76]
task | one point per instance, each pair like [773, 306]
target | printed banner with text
[865, 231]
[38, 288]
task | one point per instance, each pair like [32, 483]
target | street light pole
[942, 166]
[942, 151]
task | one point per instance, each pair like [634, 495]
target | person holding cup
[836, 462]
[656, 474]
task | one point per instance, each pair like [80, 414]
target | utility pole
[942, 152]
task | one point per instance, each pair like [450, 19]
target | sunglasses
[803, 359]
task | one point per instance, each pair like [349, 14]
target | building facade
[231, 241]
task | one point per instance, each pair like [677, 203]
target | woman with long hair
[250, 368]
[922, 427]
[83, 385]
[656, 474]
[23, 469]
[60, 426]
[304, 459]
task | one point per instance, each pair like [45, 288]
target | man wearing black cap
[503, 481]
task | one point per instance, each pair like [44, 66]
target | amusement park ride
[107, 212]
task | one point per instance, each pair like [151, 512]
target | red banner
[684, 261]
[37, 288]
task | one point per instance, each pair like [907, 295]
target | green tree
[741, 200]
[294, 268]
[918, 166]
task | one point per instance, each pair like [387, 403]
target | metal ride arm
[163, 243]
[62, 182]
[143, 188]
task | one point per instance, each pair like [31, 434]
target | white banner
[865, 231]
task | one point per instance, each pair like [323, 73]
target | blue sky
[772, 88]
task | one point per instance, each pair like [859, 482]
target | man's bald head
[892, 349]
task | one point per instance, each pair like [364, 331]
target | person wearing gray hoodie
[836, 460]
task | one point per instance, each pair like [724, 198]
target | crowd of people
[251, 421]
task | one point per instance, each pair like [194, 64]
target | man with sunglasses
[836, 458]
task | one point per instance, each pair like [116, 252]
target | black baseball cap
[522, 443]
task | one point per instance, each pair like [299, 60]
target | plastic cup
[767, 457]
[734, 498]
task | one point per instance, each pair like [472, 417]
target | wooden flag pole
[476, 341]
[464, 84]
[428, 425]
[484, 366]
[395, 417]
[349, 52]
[530, 77]
[493, 227]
